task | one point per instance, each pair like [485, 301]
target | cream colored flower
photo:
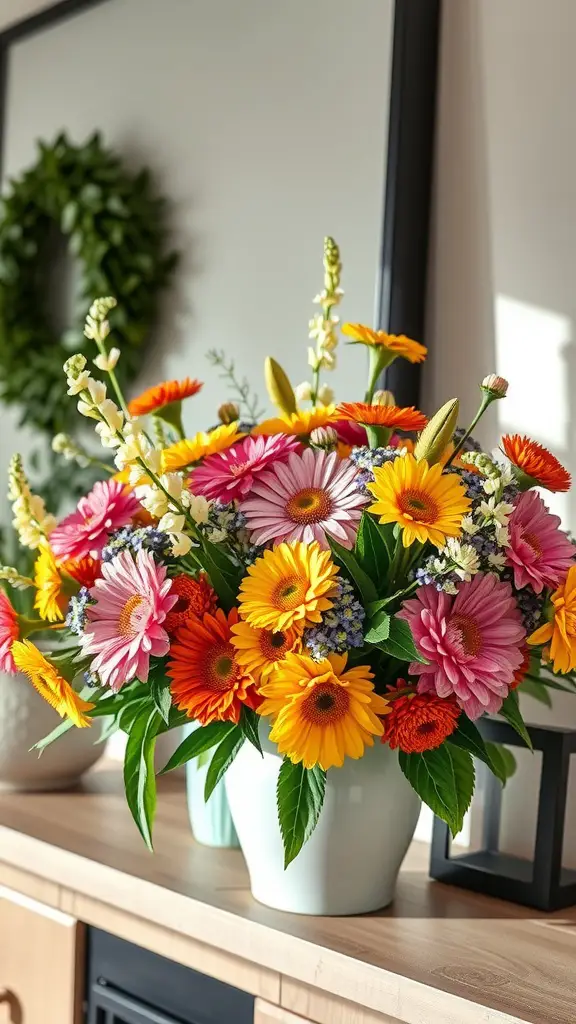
[181, 544]
[199, 508]
[79, 383]
[106, 363]
[303, 391]
[97, 391]
[325, 395]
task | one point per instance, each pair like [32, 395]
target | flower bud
[495, 386]
[325, 395]
[324, 437]
[229, 412]
[279, 387]
[384, 398]
[106, 363]
[438, 433]
[303, 391]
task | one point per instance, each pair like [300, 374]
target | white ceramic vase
[26, 718]
[351, 862]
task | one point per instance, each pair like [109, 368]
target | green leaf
[511, 712]
[347, 561]
[196, 743]
[57, 732]
[400, 642]
[504, 757]
[373, 548]
[222, 759]
[161, 696]
[249, 723]
[300, 795]
[536, 689]
[468, 737]
[139, 780]
[444, 779]
[379, 628]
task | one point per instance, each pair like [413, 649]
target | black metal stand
[541, 883]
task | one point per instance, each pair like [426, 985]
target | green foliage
[115, 225]
[399, 643]
[444, 779]
[510, 710]
[374, 549]
[139, 778]
[222, 759]
[300, 796]
[468, 737]
[354, 571]
[198, 742]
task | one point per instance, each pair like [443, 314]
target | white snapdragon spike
[314, 360]
[90, 411]
[199, 508]
[502, 536]
[108, 436]
[172, 522]
[303, 391]
[97, 391]
[78, 384]
[112, 414]
[153, 500]
[181, 544]
[132, 449]
[106, 363]
[65, 446]
[31, 521]
[11, 576]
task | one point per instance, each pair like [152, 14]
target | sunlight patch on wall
[531, 345]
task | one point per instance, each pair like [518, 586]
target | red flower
[418, 721]
[161, 395]
[195, 598]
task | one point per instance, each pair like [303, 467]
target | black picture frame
[402, 279]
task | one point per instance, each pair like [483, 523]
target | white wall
[503, 285]
[266, 130]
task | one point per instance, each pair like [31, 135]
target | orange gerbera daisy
[195, 598]
[520, 673]
[208, 681]
[261, 651]
[536, 464]
[560, 633]
[299, 423]
[419, 721]
[84, 570]
[392, 416]
[161, 395]
[395, 344]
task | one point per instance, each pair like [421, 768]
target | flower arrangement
[348, 574]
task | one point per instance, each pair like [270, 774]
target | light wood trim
[323, 1008]
[265, 1013]
[216, 963]
[30, 885]
[39, 954]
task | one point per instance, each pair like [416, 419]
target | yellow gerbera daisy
[304, 421]
[426, 504]
[395, 344]
[290, 585]
[50, 684]
[184, 453]
[322, 714]
[49, 601]
[560, 633]
[260, 651]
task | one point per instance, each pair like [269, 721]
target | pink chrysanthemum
[540, 554]
[473, 642]
[311, 495]
[125, 627]
[230, 474]
[85, 532]
[9, 632]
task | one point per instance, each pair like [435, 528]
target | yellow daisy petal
[50, 684]
[184, 453]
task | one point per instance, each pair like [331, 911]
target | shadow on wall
[503, 260]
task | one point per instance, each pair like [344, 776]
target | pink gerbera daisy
[230, 474]
[124, 627]
[85, 532]
[9, 632]
[311, 495]
[473, 642]
[540, 553]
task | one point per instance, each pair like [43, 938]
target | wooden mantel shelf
[438, 956]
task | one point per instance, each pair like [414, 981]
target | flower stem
[486, 401]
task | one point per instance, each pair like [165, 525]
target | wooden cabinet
[266, 1013]
[325, 1009]
[39, 950]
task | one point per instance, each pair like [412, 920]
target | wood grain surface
[439, 955]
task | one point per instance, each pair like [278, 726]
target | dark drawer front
[129, 985]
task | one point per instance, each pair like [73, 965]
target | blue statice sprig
[342, 626]
[367, 459]
[76, 614]
[137, 538]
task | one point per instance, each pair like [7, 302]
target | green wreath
[114, 226]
